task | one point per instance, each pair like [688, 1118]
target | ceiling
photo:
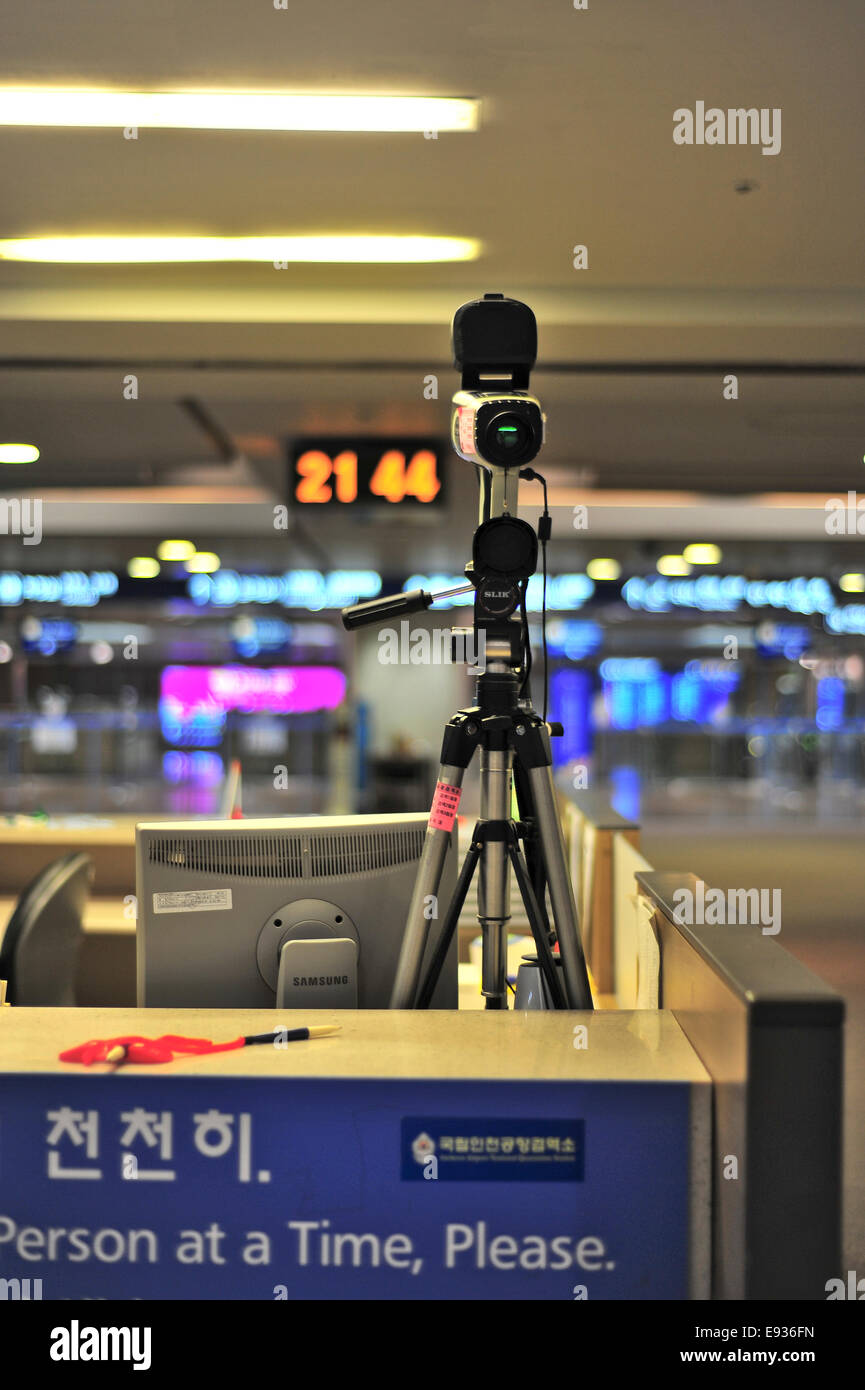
[688, 280]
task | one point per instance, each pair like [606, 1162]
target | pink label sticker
[466, 429]
[444, 807]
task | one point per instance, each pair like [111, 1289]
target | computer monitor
[294, 912]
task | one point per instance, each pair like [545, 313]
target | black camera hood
[495, 343]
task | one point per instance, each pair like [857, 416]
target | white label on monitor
[202, 900]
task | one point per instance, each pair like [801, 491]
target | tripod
[514, 743]
[498, 426]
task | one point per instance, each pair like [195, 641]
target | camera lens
[510, 434]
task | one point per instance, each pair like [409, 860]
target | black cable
[544, 531]
[545, 527]
[527, 663]
[483, 478]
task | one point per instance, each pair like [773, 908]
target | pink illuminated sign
[192, 690]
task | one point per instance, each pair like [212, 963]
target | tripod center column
[494, 885]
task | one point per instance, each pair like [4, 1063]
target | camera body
[497, 429]
[496, 422]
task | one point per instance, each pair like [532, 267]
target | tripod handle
[377, 610]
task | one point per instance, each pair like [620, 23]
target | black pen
[322, 1030]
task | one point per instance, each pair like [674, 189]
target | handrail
[770, 1033]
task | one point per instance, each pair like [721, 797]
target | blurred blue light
[625, 797]
[565, 592]
[570, 706]
[307, 589]
[830, 703]
[69, 589]
[629, 668]
[714, 593]
[574, 638]
[849, 618]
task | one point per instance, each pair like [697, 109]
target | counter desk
[410, 1156]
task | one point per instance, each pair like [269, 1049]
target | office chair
[39, 951]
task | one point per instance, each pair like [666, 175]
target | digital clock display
[380, 473]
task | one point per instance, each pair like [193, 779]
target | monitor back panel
[207, 889]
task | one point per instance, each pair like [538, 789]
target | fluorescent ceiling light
[18, 453]
[120, 250]
[50, 106]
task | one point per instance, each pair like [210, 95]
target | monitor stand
[318, 974]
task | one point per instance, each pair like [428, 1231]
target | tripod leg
[449, 926]
[426, 887]
[531, 847]
[539, 929]
[561, 891]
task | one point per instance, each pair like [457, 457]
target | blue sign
[121, 1186]
[638, 694]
